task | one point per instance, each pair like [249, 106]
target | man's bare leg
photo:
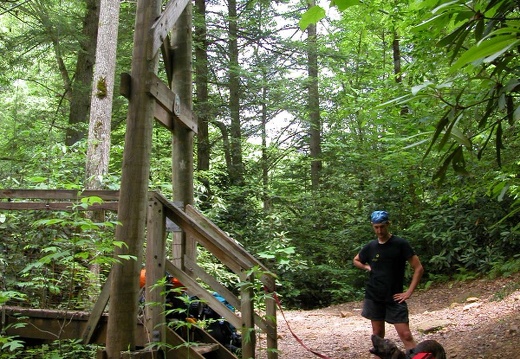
[403, 330]
[378, 328]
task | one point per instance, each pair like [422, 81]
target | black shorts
[390, 312]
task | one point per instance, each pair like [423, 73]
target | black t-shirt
[388, 262]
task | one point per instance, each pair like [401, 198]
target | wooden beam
[167, 56]
[133, 201]
[57, 206]
[57, 194]
[155, 257]
[198, 272]
[203, 294]
[171, 103]
[216, 232]
[224, 292]
[229, 258]
[164, 24]
[48, 325]
[96, 313]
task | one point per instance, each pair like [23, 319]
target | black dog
[386, 349]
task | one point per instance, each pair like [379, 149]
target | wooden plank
[247, 309]
[219, 350]
[56, 206]
[155, 258]
[170, 101]
[45, 313]
[203, 294]
[97, 312]
[224, 253]
[223, 238]
[271, 324]
[58, 194]
[232, 246]
[177, 347]
[163, 116]
[164, 24]
[198, 272]
[166, 51]
[206, 348]
[141, 354]
[49, 325]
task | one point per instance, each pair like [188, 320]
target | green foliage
[382, 142]
[318, 286]
[56, 270]
[507, 289]
[59, 349]
[478, 90]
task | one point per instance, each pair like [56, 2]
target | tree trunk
[80, 99]
[265, 158]
[202, 107]
[236, 172]
[133, 203]
[226, 147]
[314, 105]
[201, 79]
[396, 50]
[98, 150]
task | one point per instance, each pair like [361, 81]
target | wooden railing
[199, 231]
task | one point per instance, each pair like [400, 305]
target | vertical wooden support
[124, 291]
[97, 312]
[248, 320]
[270, 311]
[182, 143]
[155, 270]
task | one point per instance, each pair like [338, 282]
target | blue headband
[379, 217]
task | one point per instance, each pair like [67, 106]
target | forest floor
[474, 319]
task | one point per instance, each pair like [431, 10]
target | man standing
[385, 260]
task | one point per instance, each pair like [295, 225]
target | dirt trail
[479, 319]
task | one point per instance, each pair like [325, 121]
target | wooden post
[155, 320]
[121, 330]
[270, 312]
[182, 176]
[248, 319]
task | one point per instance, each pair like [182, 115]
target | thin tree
[202, 107]
[80, 86]
[313, 103]
[236, 172]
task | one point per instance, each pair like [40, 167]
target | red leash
[293, 334]
[423, 356]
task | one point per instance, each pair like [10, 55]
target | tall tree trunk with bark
[202, 108]
[396, 50]
[265, 158]
[98, 150]
[81, 85]
[313, 104]
[236, 172]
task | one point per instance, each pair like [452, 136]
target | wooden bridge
[160, 31]
[91, 327]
